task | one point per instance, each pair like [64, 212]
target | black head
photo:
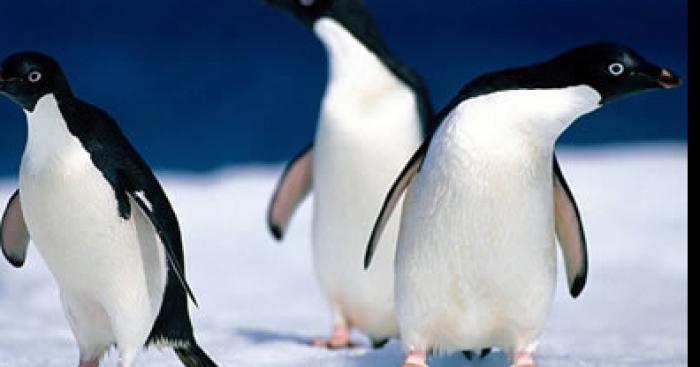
[309, 11]
[25, 77]
[613, 70]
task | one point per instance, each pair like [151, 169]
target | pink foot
[524, 359]
[415, 358]
[339, 339]
[93, 363]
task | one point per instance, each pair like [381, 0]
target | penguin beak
[667, 80]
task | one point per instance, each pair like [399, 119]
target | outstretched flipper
[392, 199]
[291, 190]
[570, 233]
[14, 238]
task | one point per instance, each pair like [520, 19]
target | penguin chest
[361, 146]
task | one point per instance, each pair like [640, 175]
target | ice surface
[260, 305]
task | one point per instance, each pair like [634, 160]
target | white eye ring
[34, 76]
[307, 2]
[616, 69]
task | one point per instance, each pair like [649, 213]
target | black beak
[666, 79]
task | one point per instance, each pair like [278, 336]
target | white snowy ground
[260, 305]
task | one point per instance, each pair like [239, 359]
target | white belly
[354, 168]
[73, 220]
[476, 260]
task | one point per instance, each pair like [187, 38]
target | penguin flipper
[572, 238]
[167, 236]
[292, 188]
[15, 236]
[392, 199]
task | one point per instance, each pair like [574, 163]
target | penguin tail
[193, 356]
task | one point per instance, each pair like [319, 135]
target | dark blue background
[200, 85]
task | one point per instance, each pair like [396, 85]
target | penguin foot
[92, 363]
[524, 359]
[415, 359]
[340, 339]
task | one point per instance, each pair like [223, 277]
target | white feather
[142, 196]
[368, 128]
[476, 259]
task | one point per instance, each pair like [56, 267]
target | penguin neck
[348, 57]
[47, 131]
[536, 116]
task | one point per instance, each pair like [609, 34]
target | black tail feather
[194, 356]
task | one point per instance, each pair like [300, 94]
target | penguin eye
[307, 2]
[34, 76]
[616, 69]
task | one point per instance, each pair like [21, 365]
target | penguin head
[347, 12]
[25, 77]
[613, 70]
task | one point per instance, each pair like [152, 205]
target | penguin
[485, 199]
[99, 218]
[374, 114]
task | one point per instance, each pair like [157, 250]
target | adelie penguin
[373, 116]
[476, 256]
[100, 220]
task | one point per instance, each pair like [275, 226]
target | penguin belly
[361, 146]
[476, 258]
[111, 271]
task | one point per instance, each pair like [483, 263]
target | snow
[260, 304]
